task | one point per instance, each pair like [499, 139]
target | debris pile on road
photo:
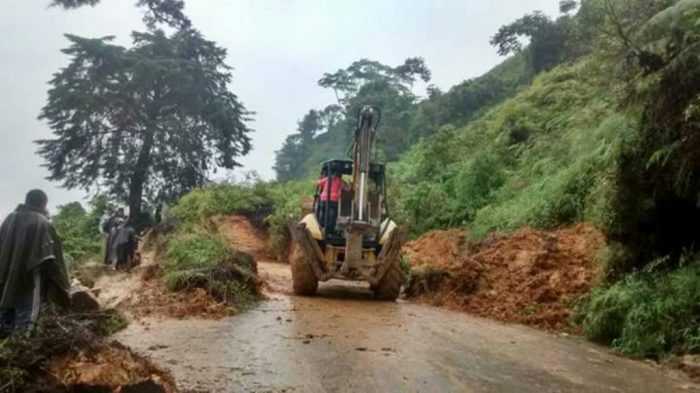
[108, 368]
[155, 299]
[203, 281]
[530, 277]
[67, 353]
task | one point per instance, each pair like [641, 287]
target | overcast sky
[279, 49]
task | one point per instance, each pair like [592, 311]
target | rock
[83, 300]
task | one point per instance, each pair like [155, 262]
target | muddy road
[342, 341]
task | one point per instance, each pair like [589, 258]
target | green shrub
[196, 249]
[267, 205]
[202, 203]
[287, 202]
[202, 260]
[79, 229]
[542, 158]
[646, 314]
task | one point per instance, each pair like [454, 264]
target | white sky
[279, 49]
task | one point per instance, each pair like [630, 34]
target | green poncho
[28, 241]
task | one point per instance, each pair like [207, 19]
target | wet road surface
[342, 341]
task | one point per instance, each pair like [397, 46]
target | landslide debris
[244, 236]
[198, 274]
[69, 353]
[108, 368]
[154, 299]
[530, 277]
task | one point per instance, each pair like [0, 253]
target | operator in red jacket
[330, 197]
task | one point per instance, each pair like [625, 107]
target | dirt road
[343, 341]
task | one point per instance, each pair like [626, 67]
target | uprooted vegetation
[205, 260]
[197, 254]
[70, 353]
[530, 277]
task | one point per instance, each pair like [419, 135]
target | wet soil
[343, 341]
[530, 277]
[109, 368]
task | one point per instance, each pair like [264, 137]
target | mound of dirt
[437, 249]
[153, 299]
[108, 368]
[531, 277]
[244, 236]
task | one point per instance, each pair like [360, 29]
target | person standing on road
[330, 197]
[32, 269]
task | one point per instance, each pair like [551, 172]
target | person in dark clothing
[121, 245]
[32, 269]
[107, 228]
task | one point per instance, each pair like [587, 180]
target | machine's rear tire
[304, 281]
[389, 287]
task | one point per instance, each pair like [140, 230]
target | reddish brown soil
[531, 277]
[153, 299]
[111, 367]
[244, 236]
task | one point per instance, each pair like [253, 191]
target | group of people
[33, 272]
[120, 241]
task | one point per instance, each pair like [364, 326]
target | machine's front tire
[389, 287]
[304, 281]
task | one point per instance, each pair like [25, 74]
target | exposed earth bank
[530, 277]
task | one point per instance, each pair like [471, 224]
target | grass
[204, 260]
[646, 314]
[540, 159]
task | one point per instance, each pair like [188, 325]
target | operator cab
[375, 207]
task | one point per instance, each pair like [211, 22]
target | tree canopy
[146, 122]
[170, 12]
[364, 82]
[547, 38]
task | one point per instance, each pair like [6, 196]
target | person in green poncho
[32, 269]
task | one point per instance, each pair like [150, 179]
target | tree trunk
[138, 180]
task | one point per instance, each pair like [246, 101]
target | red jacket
[336, 185]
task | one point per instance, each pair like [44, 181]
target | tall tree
[290, 160]
[547, 39]
[364, 82]
[147, 122]
[347, 82]
[170, 12]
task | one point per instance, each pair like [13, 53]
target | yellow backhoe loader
[352, 238]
